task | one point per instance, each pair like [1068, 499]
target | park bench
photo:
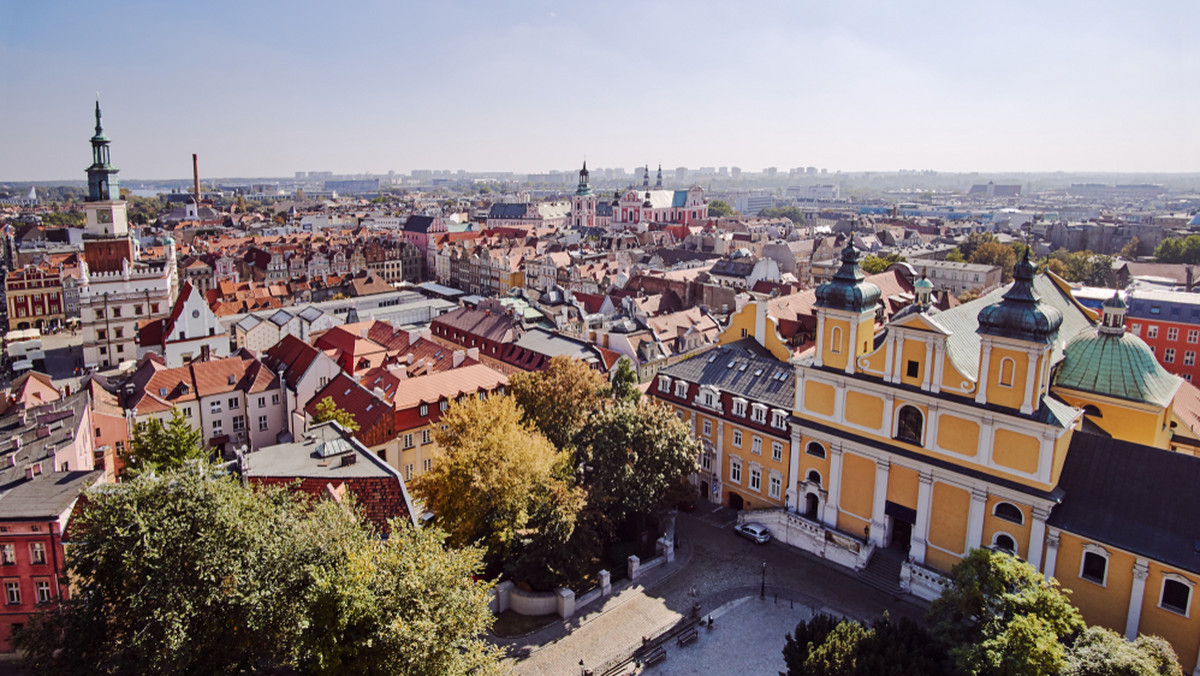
[654, 656]
[687, 637]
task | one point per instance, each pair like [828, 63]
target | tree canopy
[1083, 267]
[794, 214]
[1103, 652]
[156, 446]
[558, 401]
[1177, 250]
[328, 410]
[873, 265]
[496, 478]
[624, 382]
[639, 455]
[828, 647]
[189, 571]
[719, 209]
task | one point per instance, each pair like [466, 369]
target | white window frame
[779, 419]
[1135, 328]
[739, 407]
[1169, 355]
[706, 428]
[756, 445]
[735, 470]
[997, 535]
[737, 438]
[1020, 511]
[776, 451]
[758, 413]
[1172, 333]
[681, 388]
[1089, 548]
[1162, 589]
[1152, 331]
[755, 478]
[1189, 358]
[774, 486]
[1193, 336]
[664, 384]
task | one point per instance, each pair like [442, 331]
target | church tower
[845, 311]
[1016, 341]
[658, 184]
[583, 202]
[104, 208]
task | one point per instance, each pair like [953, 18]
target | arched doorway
[811, 503]
[735, 501]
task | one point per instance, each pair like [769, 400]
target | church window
[815, 449]
[835, 340]
[1009, 512]
[814, 477]
[1176, 594]
[1094, 566]
[1169, 355]
[910, 424]
[1005, 543]
[914, 368]
[1008, 367]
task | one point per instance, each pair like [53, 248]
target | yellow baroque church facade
[1020, 421]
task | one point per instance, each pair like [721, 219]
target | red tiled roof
[348, 395]
[447, 385]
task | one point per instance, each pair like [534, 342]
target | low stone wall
[922, 582]
[812, 536]
[561, 601]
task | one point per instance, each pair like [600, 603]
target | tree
[191, 572]
[794, 214]
[719, 209]
[974, 241]
[156, 446]
[624, 382]
[826, 646]
[558, 401]
[1001, 616]
[1130, 250]
[1103, 652]
[639, 455]
[955, 256]
[327, 410]
[995, 253]
[873, 265]
[494, 475]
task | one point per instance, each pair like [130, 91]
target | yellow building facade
[1017, 421]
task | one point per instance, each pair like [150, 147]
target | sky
[270, 88]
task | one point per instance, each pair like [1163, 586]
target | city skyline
[538, 86]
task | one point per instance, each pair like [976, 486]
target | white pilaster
[1037, 537]
[888, 357]
[718, 467]
[1141, 570]
[984, 364]
[851, 348]
[878, 517]
[835, 484]
[939, 365]
[931, 427]
[975, 518]
[928, 380]
[794, 470]
[916, 549]
[820, 338]
[1027, 404]
[1051, 553]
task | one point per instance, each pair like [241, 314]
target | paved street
[717, 568]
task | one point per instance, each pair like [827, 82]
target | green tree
[794, 214]
[955, 256]
[826, 646]
[1130, 250]
[974, 241]
[719, 209]
[873, 265]
[156, 446]
[995, 253]
[328, 410]
[639, 455]
[1000, 613]
[559, 400]
[624, 381]
[494, 475]
[1103, 652]
[189, 571]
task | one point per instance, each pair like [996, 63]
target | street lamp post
[762, 590]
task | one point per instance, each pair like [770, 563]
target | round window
[195, 314]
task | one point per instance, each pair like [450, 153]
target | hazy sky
[269, 88]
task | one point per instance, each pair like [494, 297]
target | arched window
[1093, 411]
[1005, 543]
[1176, 593]
[835, 340]
[814, 477]
[1008, 366]
[815, 449]
[1008, 512]
[910, 424]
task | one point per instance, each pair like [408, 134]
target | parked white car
[754, 531]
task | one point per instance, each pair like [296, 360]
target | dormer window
[664, 384]
[779, 419]
[758, 413]
[739, 407]
[681, 388]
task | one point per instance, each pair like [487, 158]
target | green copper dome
[1117, 365]
[1020, 314]
[848, 290]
